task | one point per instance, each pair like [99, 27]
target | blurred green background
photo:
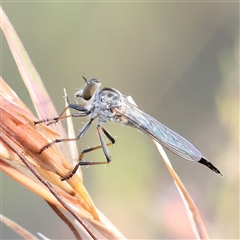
[179, 62]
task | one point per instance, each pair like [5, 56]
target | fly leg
[82, 163]
[82, 113]
[80, 135]
[103, 146]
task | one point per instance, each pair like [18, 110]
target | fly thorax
[106, 100]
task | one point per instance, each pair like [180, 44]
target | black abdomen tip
[205, 162]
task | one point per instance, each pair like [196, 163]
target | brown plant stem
[48, 185]
[66, 220]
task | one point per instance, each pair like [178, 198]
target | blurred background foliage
[179, 62]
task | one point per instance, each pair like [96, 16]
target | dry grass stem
[18, 229]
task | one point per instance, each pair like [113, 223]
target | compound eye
[89, 90]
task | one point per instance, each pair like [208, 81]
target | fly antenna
[85, 79]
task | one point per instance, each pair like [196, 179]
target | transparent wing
[132, 116]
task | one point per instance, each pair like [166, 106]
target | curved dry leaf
[40, 98]
[192, 211]
[17, 228]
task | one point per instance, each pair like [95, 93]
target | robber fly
[108, 104]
